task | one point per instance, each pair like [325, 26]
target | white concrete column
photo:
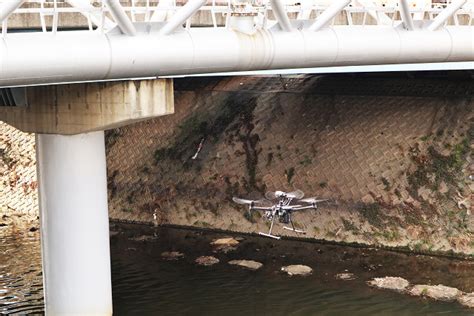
[74, 224]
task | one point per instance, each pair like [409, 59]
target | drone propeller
[247, 202]
[270, 195]
[298, 194]
[312, 200]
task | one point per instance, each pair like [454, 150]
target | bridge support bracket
[74, 224]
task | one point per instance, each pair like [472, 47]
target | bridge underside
[70, 119]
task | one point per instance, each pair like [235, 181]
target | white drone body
[281, 209]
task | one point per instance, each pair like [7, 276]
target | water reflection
[145, 284]
[148, 285]
[21, 282]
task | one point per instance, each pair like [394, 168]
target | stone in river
[297, 269]
[249, 264]
[436, 292]
[207, 260]
[467, 299]
[345, 276]
[228, 241]
[172, 255]
[390, 283]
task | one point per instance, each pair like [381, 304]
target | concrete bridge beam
[79, 108]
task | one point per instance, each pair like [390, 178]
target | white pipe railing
[378, 15]
[181, 16]
[86, 9]
[406, 15]
[121, 17]
[326, 17]
[280, 14]
[145, 12]
[446, 14]
[7, 8]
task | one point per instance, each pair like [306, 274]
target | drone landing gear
[293, 228]
[270, 231]
[269, 235]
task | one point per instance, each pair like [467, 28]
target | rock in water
[345, 276]
[172, 255]
[143, 238]
[390, 283]
[249, 264]
[207, 260]
[228, 241]
[467, 300]
[297, 270]
[224, 244]
[437, 292]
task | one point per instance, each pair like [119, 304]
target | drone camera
[280, 194]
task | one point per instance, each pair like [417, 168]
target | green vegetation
[111, 137]
[348, 225]
[306, 161]
[434, 168]
[386, 183]
[372, 213]
[204, 125]
[269, 159]
[391, 235]
[290, 173]
[252, 217]
[202, 224]
[5, 157]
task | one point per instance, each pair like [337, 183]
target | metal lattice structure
[141, 39]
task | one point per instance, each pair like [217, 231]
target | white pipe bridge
[146, 39]
[140, 39]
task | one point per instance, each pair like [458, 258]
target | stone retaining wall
[392, 154]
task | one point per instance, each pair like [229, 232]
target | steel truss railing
[98, 14]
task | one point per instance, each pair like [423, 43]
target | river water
[146, 284]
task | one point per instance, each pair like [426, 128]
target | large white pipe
[281, 16]
[74, 224]
[325, 18]
[120, 16]
[35, 58]
[446, 14]
[7, 8]
[406, 15]
[181, 16]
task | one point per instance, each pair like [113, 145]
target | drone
[282, 208]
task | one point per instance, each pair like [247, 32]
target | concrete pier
[74, 224]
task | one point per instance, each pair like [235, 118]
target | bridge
[71, 69]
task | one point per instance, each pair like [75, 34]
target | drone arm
[305, 207]
[261, 208]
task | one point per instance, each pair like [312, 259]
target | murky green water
[146, 284]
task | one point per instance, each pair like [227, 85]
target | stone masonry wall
[392, 154]
[18, 186]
